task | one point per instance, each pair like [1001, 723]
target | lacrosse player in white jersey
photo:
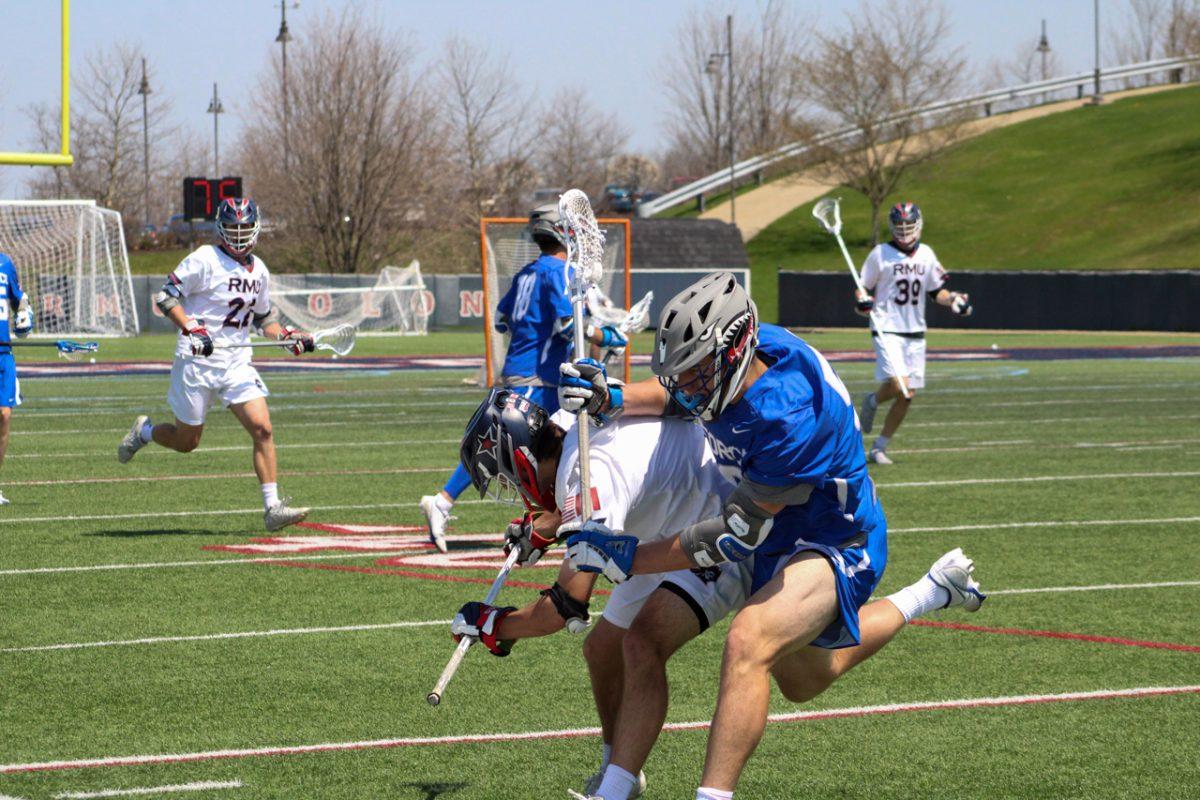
[650, 474]
[214, 297]
[900, 274]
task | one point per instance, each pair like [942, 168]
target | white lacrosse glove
[23, 321]
[961, 304]
[598, 548]
[585, 385]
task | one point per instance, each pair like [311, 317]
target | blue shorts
[544, 396]
[857, 569]
[10, 387]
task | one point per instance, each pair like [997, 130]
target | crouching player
[223, 288]
[648, 475]
[14, 302]
[805, 514]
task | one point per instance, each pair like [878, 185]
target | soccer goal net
[71, 260]
[506, 247]
[397, 301]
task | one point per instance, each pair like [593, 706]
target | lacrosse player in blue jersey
[804, 510]
[16, 303]
[536, 315]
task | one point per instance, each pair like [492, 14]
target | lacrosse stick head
[828, 212]
[585, 240]
[340, 339]
[70, 350]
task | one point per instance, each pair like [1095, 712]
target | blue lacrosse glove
[597, 548]
[610, 336]
[584, 384]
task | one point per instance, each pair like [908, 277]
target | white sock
[881, 442]
[270, 494]
[607, 757]
[146, 434]
[920, 598]
[617, 783]
[442, 503]
[704, 793]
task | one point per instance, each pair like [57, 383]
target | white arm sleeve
[937, 275]
[870, 270]
[262, 303]
[189, 276]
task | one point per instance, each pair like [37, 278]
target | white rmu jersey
[900, 283]
[223, 296]
[651, 476]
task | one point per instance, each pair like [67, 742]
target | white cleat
[866, 411]
[877, 456]
[132, 441]
[280, 515]
[574, 795]
[592, 785]
[952, 572]
[436, 519]
[4, 500]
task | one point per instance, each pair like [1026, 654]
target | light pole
[144, 91]
[215, 108]
[283, 38]
[712, 68]
[1044, 48]
[1097, 98]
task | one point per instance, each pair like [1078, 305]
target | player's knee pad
[574, 612]
[733, 536]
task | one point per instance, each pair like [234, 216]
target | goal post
[63, 157]
[505, 246]
[72, 261]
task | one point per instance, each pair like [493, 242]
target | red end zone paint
[1078, 637]
[484, 738]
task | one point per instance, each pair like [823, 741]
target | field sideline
[153, 637]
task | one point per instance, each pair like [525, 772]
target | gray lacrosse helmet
[709, 330]
[544, 221]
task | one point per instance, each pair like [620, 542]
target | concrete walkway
[759, 208]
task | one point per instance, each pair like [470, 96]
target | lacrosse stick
[434, 698]
[585, 251]
[66, 348]
[340, 340]
[635, 320]
[829, 214]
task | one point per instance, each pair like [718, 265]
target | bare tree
[366, 146]
[106, 134]
[772, 93]
[698, 97]
[889, 59]
[578, 143]
[1152, 29]
[492, 129]
[634, 171]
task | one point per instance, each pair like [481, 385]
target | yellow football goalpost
[63, 158]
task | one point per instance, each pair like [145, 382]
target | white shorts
[195, 387]
[911, 353]
[711, 593]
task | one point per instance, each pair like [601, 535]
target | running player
[224, 287]
[535, 313]
[648, 475]
[901, 273]
[17, 303]
[804, 512]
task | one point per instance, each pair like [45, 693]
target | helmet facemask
[504, 466]
[905, 222]
[240, 239]
[716, 379]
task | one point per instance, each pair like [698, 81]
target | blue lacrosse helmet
[904, 221]
[238, 224]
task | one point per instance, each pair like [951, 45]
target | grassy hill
[1114, 187]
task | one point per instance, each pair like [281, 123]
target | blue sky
[192, 43]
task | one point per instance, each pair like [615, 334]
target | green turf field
[126, 631]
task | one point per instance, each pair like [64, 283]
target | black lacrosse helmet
[501, 447]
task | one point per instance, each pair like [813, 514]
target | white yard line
[221, 513]
[357, 473]
[198, 786]
[233, 448]
[567, 733]
[211, 637]
[1067, 523]
[968, 448]
[1099, 587]
[210, 562]
[1102, 476]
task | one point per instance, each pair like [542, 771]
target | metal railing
[985, 100]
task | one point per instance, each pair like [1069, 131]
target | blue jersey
[533, 310]
[796, 424]
[12, 298]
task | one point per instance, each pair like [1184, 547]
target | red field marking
[353, 530]
[571, 733]
[1079, 637]
[440, 577]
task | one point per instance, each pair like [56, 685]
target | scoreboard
[202, 196]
